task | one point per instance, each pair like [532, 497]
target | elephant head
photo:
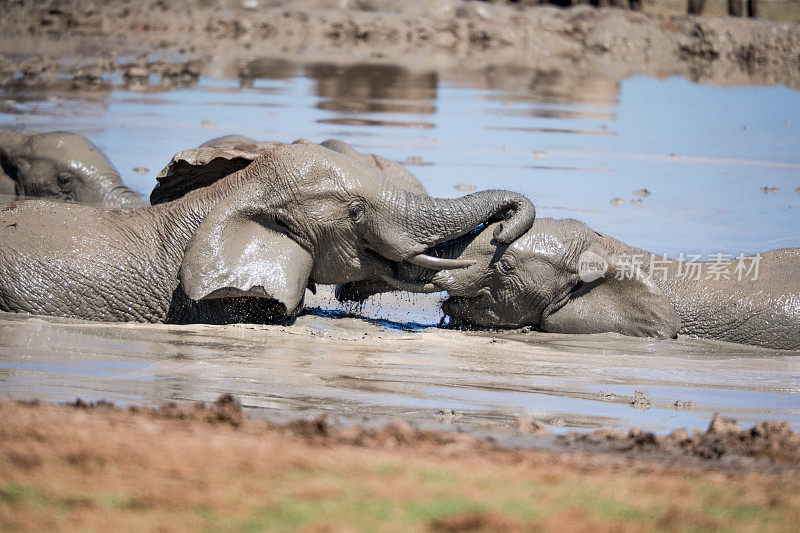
[62, 166]
[303, 214]
[542, 279]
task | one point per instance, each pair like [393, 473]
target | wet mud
[179, 41]
[370, 370]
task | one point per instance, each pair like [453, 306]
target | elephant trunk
[121, 196]
[427, 222]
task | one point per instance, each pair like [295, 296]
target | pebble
[640, 401]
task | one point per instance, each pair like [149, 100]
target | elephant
[198, 167]
[61, 166]
[243, 248]
[561, 276]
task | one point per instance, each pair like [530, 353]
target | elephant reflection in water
[374, 88]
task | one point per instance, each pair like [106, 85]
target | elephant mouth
[426, 272]
[470, 313]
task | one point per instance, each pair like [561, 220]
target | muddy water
[573, 144]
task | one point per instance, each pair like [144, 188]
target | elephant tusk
[409, 286]
[438, 263]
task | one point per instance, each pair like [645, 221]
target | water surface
[571, 143]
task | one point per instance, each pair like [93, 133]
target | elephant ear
[622, 299]
[235, 254]
[199, 167]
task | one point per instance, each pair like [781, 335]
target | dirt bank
[78, 467]
[182, 39]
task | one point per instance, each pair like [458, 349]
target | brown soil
[179, 40]
[94, 466]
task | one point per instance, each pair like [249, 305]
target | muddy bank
[723, 445]
[199, 467]
[180, 40]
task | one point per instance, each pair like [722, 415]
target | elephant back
[200, 167]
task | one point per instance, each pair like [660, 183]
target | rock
[684, 404]
[640, 401]
[136, 74]
[447, 415]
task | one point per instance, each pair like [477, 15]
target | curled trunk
[428, 221]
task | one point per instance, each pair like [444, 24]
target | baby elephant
[562, 276]
[60, 166]
[242, 249]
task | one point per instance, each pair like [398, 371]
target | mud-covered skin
[535, 281]
[61, 166]
[298, 215]
[397, 174]
[199, 167]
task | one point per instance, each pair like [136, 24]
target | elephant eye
[504, 266]
[63, 179]
[356, 212]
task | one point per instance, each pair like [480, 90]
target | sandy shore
[98, 467]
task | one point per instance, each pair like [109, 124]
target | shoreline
[43, 42]
[98, 466]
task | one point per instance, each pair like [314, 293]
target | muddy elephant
[244, 248]
[564, 277]
[199, 167]
[61, 166]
